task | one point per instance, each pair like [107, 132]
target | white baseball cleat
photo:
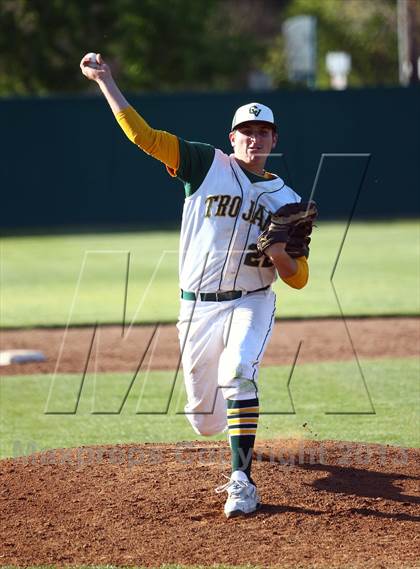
[242, 498]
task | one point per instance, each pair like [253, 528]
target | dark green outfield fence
[66, 162]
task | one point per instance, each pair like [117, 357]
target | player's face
[252, 143]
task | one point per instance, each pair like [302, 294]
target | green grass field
[317, 389]
[50, 280]
[81, 279]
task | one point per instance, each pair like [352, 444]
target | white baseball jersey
[220, 225]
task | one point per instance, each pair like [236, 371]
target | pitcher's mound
[325, 504]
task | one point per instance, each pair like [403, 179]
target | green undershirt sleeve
[195, 159]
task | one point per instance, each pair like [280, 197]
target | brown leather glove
[291, 224]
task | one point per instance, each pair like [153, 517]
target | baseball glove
[291, 224]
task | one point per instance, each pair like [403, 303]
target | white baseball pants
[222, 345]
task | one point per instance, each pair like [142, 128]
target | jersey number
[254, 258]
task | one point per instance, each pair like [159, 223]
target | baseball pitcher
[241, 226]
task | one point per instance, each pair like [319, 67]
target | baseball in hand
[92, 60]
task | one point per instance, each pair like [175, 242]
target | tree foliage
[366, 29]
[156, 45]
[153, 44]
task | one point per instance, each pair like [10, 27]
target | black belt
[218, 296]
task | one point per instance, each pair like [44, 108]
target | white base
[9, 357]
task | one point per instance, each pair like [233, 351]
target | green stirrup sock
[242, 418]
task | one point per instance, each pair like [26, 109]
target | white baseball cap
[253, 112]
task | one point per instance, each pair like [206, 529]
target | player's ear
[232, 138]
[275, 139]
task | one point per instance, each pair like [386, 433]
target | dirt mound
[315, 340]
[326, 504]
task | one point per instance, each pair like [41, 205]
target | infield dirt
[326, 504]
[317, 340]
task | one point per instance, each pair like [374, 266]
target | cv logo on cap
[254, 110]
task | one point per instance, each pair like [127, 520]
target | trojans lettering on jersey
[220, 225]
[223, 205]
